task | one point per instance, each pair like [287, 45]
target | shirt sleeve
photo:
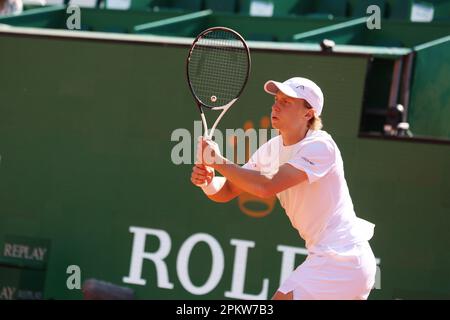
[315, 158]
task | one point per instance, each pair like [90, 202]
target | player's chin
[274, 122]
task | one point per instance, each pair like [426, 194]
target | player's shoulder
[318, 136]
[318, 139]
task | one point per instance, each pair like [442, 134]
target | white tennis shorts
[347, 275]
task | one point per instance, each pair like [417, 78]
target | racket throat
[205, 125]
[224, 110]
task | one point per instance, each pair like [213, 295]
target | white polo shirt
[321, 208]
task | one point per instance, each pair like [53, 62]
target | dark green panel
[119, 21]
[429, 109]
[269, 29]
[251, 28]
[390, 34]
[47, 17]
[91, 19]
[21, 284]
[229, 6]
[406, 34]
[442, 10]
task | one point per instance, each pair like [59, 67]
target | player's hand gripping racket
[218, 66]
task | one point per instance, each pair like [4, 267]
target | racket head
[218, 67]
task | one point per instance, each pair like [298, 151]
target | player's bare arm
[202, 175]
[249, 180]
[259, 185]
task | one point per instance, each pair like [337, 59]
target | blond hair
[315, 123]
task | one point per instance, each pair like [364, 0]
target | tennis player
[303, 167]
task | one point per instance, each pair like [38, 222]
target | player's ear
[309, 114]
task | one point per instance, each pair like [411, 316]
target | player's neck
[294, 136]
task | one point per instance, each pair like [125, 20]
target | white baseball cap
[300, 88]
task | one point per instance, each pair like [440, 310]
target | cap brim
[272, 87]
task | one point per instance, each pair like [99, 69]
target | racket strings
[218, 68]
[218, 73]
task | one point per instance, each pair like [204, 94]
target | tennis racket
[218, 67]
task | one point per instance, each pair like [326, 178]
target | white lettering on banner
[138, 255]
[29, 295]
[7, 293]
[239, 272]
[377, 284]
[218, 263]
[24, 252]
[12, 293]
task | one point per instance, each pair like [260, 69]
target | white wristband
[214, 186]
